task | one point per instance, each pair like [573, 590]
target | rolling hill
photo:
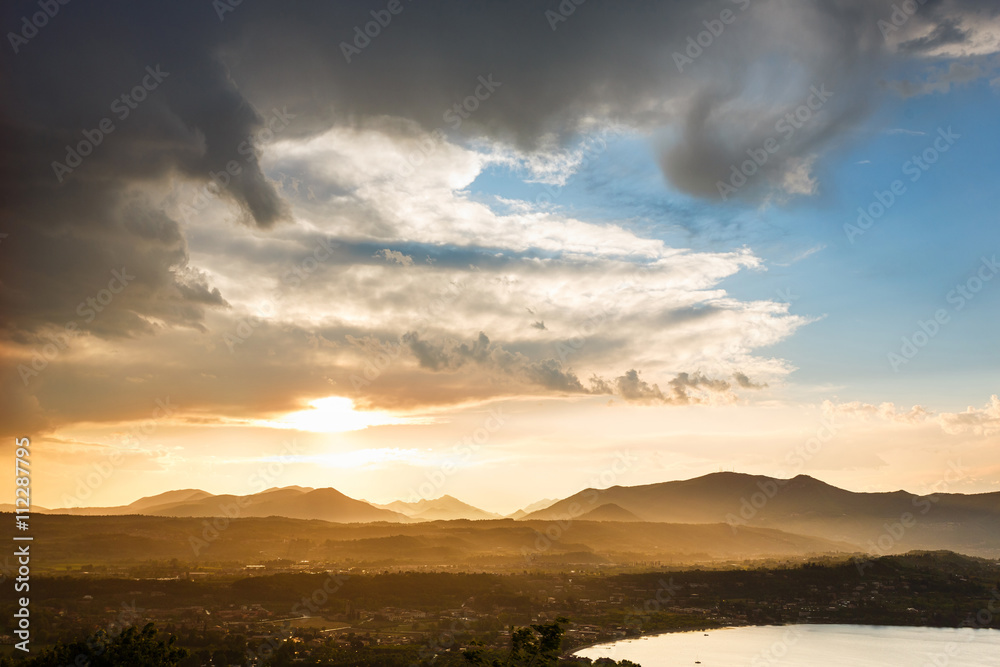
[878, 522]
[609, 512]
[292, 502]
[503, 544]
[445, 508]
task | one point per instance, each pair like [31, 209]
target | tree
[132, 647]
[534, 646]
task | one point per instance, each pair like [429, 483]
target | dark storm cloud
[102, 105]
[604, 62]
[110, 109]
[192, 95]
[105, 261]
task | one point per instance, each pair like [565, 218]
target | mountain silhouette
[609, 512]
[293, 502]
[444, 508]
[804, 505]
[889, 522]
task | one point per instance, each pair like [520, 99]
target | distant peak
[303, 489]
[722, 474]
[609, 512]
[811, 481]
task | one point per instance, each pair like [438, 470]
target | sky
[502, 251]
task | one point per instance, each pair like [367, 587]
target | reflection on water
[811, 646]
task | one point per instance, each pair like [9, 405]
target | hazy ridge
[717, 516]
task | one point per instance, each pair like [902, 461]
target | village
[305, 608]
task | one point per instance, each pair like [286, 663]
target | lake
[810, 646]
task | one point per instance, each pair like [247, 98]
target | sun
[336, 414]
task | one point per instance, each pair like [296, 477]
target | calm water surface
[811, 646]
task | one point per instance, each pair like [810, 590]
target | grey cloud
[746, 383]
[228, 81]
[633, 388]
[946, 32]
[684, 382]
[68, 230]
[276, 70]
[549, 374]
[630, 387]
[941, 79]
[430, 356]
[494, 358]
[66, 250]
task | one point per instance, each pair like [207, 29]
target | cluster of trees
[133, 647]
[537, 645]
[534, 646]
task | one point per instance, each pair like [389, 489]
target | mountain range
[444, 508]
[495, 544]
[292, 502]
[875, 522]
[888, 522]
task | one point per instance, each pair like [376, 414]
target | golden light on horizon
[336, 414]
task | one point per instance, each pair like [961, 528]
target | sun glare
[336, 414]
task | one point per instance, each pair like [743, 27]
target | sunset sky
[498, 250]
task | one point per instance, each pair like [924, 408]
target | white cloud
[394, 257]
[798, 178]
[900, 130]
[979, 421]
[984, 421]
[661, 308]
[887, 411]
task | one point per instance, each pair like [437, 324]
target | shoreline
[654, 633]
[642, 635]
